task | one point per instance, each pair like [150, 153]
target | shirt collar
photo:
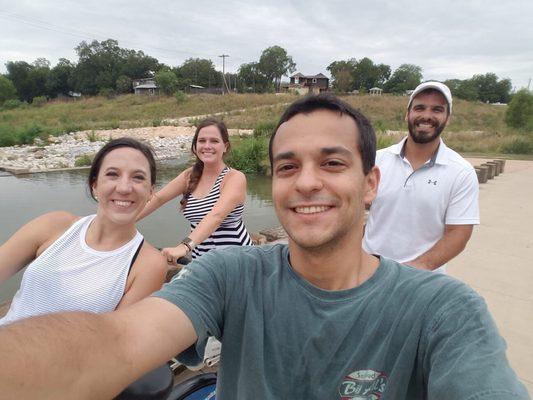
[439, 157]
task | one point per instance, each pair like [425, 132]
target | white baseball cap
[439, 86]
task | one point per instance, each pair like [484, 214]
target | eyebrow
[142, 171]
[324, 151]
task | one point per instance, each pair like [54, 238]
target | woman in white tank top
[96, 263]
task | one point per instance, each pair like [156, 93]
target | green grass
[474, 128]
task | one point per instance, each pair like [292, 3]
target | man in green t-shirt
[317, 319]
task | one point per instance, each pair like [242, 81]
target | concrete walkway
[498, 260]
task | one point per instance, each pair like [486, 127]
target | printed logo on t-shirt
[432, 182]
[364, 384]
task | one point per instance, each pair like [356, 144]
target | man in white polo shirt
[427, 202]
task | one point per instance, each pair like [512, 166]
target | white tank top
[71, 276]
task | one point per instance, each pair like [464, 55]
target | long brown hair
[198, 167]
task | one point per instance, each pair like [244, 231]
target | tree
[342, 73]
[250, 78]
[275, 63]
[7, 90]
[124, 84]
[362, 75]
[198, 71]
[100, 64]
[462, 89]
[29, 79]
[167, 81]
[368, 75]
[405, 77]
[60, 77]
[519, 113]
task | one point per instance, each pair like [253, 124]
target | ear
[371, 184]
[93, 189]
[406, 119]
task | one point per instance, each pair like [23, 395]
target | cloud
[453, 39]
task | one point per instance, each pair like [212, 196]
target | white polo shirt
[412, 208]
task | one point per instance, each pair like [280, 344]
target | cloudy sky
[448, 39]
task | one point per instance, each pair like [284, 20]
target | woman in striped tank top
[95, 263]
[213, 196]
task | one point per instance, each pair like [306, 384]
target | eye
[285, 168]
[334, 164]
[139, 177]
[111, 173]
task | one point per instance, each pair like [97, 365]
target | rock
[258, 239]
[273, 234]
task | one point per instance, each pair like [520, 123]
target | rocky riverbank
[63, 151]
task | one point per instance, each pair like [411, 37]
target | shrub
[156, 122]
[39, 101]
[249, 156]
[264, 129]
[518, 146]
[83, 161]
[180, 96]
[7, 136]
[28, 133]
[12, 104]
[92, 136]
[385, 141]
[519, 113]
[108, 93]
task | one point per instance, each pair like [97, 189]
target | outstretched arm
[147, 275]
[31, 240]
[171, 190]
[90, 356]
[232, 193]
[450, 245]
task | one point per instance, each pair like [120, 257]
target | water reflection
[26, 197]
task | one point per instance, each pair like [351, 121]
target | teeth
[122, 203]
[311, 210]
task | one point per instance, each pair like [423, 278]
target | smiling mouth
[311, 209]
[122, 203]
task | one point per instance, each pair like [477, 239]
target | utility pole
[224, 72]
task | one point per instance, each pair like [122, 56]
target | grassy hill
[474, 128]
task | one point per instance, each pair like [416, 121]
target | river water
[28, 196]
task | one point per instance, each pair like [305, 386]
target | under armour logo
[432, 182]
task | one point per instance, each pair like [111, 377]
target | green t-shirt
[402, 334]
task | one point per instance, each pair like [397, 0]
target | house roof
[300, 75]
[146, 86]
[376, 88]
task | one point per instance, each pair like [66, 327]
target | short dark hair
[325, 101]
[116, 144]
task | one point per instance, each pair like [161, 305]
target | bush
[7, 89]
[156, 122]
[28, 133]
[12, 104]
[518, 146]
[384, 141]
[180, 97]
[83, 161]
[250, 156]
[519, 113]
[7, 136]
[264, 129]
[108, 93]
[39, 101]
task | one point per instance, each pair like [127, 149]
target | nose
[124, 185]
[308, 180]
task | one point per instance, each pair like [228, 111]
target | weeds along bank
[20, 125]
[474, 128]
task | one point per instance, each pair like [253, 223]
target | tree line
[106, 68]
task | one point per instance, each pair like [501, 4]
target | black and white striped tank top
[231, 231]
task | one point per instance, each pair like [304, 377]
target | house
[375, 91]
[304, 84]
[145, 86]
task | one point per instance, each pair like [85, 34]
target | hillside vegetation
[475, 127]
